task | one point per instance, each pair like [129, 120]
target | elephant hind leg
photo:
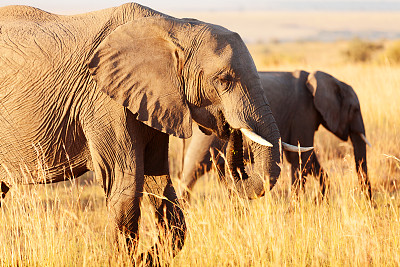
[323, 183]
[3, 190]
[170, 219]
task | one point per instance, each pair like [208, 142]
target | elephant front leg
[298, 173]
[304, 165]
[320, 173]
[198, 161]
[170, 220]
[123, 202]
[309, 164]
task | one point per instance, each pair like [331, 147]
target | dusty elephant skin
[300, 102]
[103, 91]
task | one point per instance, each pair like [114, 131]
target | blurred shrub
[393, 52]
[276, 59]
[361, 51]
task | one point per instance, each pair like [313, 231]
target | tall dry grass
[66, 224]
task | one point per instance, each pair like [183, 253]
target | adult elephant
[103, 91]
[300, 102]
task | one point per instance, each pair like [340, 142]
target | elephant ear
[138, 65]
[327, 98]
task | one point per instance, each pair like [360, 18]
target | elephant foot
[155, 257]
[161, 254]
[151, 259]
[170, 221]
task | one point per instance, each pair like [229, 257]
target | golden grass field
[66, 224]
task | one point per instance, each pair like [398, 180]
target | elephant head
[340, 109]
[170, 71]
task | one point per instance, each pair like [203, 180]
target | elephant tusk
[293, 148]
[255, 137]
[365, 139]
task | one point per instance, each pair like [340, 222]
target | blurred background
[266, 20]
[354, 30]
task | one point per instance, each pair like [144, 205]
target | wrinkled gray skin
[300, 102]
[103, 91]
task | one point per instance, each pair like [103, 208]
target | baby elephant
[300, 102]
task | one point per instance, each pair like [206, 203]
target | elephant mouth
[235, 156]
[223, 127]
[251, 186]
[235, 159]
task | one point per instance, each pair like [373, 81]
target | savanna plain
[66, 224]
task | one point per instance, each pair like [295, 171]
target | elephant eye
[226, 81]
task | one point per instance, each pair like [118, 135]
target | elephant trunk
[360, 155]
[252, 184]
